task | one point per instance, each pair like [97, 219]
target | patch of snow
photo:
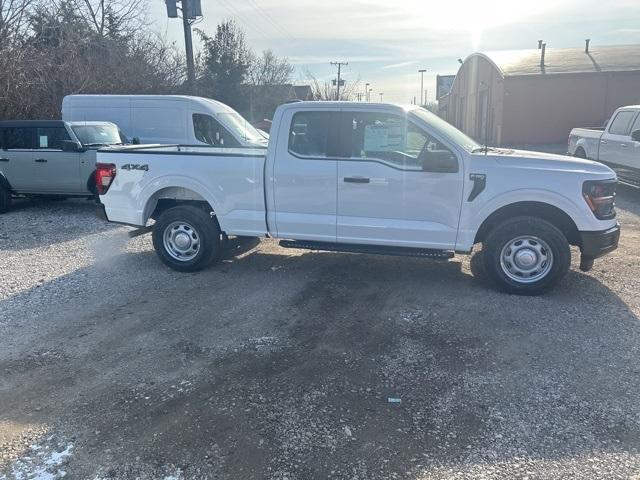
[42, 463]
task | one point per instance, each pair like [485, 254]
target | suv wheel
[186, 238]
[5, 199]
[526, 255]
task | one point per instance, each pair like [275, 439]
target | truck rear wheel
[5, 199]
[526, 255]
[186, 238]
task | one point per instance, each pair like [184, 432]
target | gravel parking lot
[282, 363]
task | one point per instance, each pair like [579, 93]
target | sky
[387, 42]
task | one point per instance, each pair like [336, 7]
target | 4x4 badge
[135, 166]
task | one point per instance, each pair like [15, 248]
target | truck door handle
[356, 180]
[41, 160]
[603, 142]
[623, 145]
[4, 159]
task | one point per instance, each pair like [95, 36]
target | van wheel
[5, 199]
[186, 238]
[526, 255]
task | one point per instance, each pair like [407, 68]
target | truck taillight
[105, 173]
[600, 195]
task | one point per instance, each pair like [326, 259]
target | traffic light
[172, 8]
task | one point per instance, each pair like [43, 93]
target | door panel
[56, 171]
[304, 178]
[400, 204]
[16, 157]
[616, 142]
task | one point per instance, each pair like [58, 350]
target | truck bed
[231, 178]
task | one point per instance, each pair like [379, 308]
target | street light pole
[381, 94]
[421, 72]
[366, 92]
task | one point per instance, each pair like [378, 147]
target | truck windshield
[240, 127]
[97, 134]
[451, 132]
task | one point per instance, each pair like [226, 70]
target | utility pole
[366, 92]
[188, 45]
[381, 94]
[339, 65]
[191, 10]
[369, 94]
[421, 72]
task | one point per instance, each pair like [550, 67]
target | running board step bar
[368, 249]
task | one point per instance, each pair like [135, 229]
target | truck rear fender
[169, 190]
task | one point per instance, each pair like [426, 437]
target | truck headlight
[600, 195]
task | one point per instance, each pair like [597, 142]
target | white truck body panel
[164, 119]
[308, 199]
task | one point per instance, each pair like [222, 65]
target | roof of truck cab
[349, 105]
[186, 98]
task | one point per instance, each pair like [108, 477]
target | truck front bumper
[597, 244]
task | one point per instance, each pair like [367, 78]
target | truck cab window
[51, 137]
[622, 122]
[391, 139]
[208, 130]
[309, 134]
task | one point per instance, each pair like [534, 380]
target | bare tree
[325, 91]
[269, 69]
[13, 19]
[112, 17]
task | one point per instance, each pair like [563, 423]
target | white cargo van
[166, 119]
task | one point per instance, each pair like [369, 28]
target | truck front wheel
[526, 255]
[186, 238]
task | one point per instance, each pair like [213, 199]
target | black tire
[531, 238]
[198, 228]
[5, 199]
[580, 153]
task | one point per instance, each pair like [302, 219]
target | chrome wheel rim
[181, 241]
[526, 259]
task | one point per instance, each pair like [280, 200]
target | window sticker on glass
[381, 137]
[44, 141]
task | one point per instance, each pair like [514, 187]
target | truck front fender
[474, 219]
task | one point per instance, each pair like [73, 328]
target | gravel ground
[288, 364]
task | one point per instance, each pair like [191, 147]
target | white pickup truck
[617, 145]
[368, 178]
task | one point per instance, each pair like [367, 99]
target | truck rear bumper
[597, 244]
[101, 213]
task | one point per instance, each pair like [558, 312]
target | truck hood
[548, 161]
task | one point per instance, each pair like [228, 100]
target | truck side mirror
[135, 141]
[72, 146]
[439, 161]
[635, 135]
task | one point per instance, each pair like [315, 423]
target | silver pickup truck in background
[617, 144]
[51, 157]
